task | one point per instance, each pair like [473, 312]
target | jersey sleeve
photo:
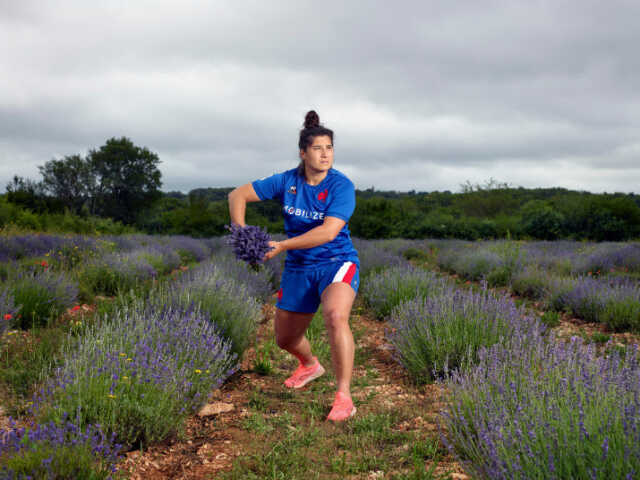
[342, 202]
[270, 187]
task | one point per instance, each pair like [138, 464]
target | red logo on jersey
[322, 196]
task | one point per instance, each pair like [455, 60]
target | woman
[321, 266]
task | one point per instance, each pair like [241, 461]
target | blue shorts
[300, 290]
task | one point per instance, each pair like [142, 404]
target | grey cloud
[468, 89]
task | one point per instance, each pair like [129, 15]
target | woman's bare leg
[337, 300]
[289, 330]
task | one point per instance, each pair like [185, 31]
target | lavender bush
[433, 335]
[613, 302]
[610, 256]
[384, 290]
[115, 272]
[226, 302]
[57, 451]
[189, 249]
[163, 259]
[138, 373]
[258, 283]
[41, 294]
[20, 246]
[374, 258]
[249, 243]
[531, 282]
[546, 409]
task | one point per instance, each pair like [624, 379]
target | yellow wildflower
[111, 396]
[123, 354]
[198, 370]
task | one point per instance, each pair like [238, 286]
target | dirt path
[282, 432]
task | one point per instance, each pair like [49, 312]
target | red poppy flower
[8, 316]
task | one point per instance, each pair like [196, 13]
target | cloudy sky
[421, 95]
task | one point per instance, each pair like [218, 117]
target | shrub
[434, 335]
[384, 290]
[622, 310]
[256, 280]
[60, 451]
[140, 373]
[115, 272]
[550, 319]
[41, 294]
[227, 303]
[374, 258]
[538, 409]
[530, 283]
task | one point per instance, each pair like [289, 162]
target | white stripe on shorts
[342, 272]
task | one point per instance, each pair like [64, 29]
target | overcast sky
[421, 95]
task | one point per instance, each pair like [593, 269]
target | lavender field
[110, 344]
[522, 402]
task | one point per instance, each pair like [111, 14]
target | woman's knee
[334, 319]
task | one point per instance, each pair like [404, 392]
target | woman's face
[319, 155]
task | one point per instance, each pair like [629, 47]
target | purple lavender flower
[250, 243]
[93, 451]
[582, 411]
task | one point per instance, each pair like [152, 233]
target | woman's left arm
[316, 236]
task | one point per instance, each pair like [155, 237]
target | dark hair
[312, 128]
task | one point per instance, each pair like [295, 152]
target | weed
[550, 319]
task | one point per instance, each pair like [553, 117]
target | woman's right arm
[238, 199]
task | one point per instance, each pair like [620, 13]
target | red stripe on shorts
[350, 273]
[280, 294]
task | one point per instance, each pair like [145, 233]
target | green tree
[541, 220]
[28, 194]
[71, 180]
[127, 179]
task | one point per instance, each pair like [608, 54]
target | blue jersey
[305, 206]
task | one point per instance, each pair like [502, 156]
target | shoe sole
[316, 374]
[353, 412]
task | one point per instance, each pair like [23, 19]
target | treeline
[117, 187]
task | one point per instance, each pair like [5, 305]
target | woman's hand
[276, 248]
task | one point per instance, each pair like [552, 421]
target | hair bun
[312, 119]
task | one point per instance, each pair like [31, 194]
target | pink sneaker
[304, 375]
[342, 408]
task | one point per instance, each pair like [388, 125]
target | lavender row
[140, 373]
[53, 450]
[16, 247]
[501, 259]
[523, 405]
[228, 292]
[535, 407]
[612, 301]
[383, 290]
[442, 331]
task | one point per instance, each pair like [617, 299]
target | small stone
[375, 475]
[459, 476]
[215, 408]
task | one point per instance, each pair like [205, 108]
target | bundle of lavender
[249, 243]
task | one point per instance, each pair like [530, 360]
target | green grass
[551, 318]
[290, 439]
